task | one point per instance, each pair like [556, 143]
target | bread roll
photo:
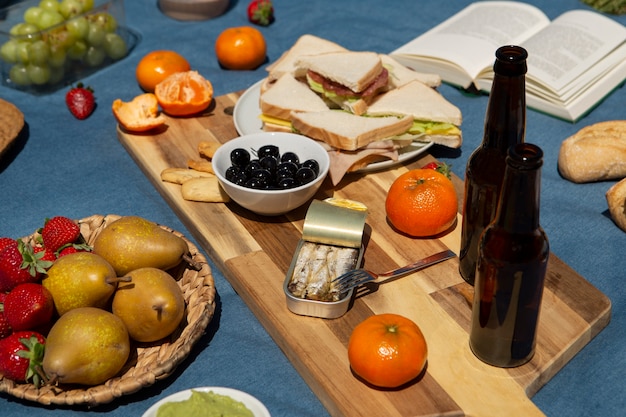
[616, 198]
[596, 152]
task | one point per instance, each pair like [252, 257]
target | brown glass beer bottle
[505, 125]
[512, 260]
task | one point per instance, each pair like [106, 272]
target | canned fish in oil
[331, 245]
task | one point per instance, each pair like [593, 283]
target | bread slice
[616, 199]
[400, 74]
[288, 94]
[305, 45]
[346, 131]
[352, 69]
[594, 153]
[418, 100]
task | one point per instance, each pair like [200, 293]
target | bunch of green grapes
[55, 33]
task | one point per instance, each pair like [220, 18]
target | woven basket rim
[152, 362]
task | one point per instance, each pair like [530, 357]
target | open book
[573, 62]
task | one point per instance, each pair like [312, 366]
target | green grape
[19, 75]
[95, 56]
[31, 15]
[78, 27]
[87, 5]
[115, 46]
[78, 50]
[95, 35]
[8, 51]
[50, 5]
[70, 8]
[26, 31]
[58, 56]
[21, 52]
[38, 52]
[105, 20]
[38, 74]
[60, 37]
[49, 18]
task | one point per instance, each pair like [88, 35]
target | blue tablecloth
[78, 168]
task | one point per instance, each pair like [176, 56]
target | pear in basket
[81, 279]
[133, 242]
[86, 346]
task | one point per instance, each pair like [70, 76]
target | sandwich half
[305, 45]
[348, 80]
[435, 119]
[285, 96]
[353, 141]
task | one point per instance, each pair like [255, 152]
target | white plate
[246, 118]
[254, 405]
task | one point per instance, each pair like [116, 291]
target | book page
[570, 46]
[471, 37]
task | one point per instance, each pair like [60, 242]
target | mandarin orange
[240, 48]
[387, 350]
[184, 93]
[156, 66]
[421, 203]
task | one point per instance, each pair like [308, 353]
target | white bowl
[254, 405]
[271, 202]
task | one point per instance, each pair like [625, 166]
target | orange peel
[140, 114]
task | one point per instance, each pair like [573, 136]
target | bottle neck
[518, 208]
[505, 119]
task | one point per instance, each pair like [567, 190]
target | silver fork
[356, 277]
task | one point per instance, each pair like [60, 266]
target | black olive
[239, 157]
[269, 162]
[256, 183]
[312, 163]
[289, 166]
[268, 150]
[252, 165]
[305, 175]
[286, 183]
[263, 174]
[290, 157]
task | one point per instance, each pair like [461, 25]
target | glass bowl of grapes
[271, 173]
[49, 44]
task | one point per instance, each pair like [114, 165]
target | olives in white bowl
[271, 173]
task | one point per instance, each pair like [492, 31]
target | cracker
[200, 165]
[206, 189]
[207, 149]
[181, 175]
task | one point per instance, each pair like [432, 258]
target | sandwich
[285, 96]
[305, 45]
[434, 118]
[347, 79]
[400, 74]
[353, 141]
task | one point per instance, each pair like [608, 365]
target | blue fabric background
[78, 168]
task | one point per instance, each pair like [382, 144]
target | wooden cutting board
[254, 252]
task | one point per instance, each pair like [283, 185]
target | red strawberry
[80, 101]
[6, 241]
[19, 264]
[20, 356]
[5, 327]
[28, 307]
[66, 250]
[440, 167]
[261, 12]
[59, 231]
[45, 254]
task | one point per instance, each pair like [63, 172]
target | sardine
[316, 266]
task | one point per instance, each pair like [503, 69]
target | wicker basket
[147, 363]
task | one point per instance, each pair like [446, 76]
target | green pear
[86, 346]
[132, 242]
[81, 279]
[151, 304]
